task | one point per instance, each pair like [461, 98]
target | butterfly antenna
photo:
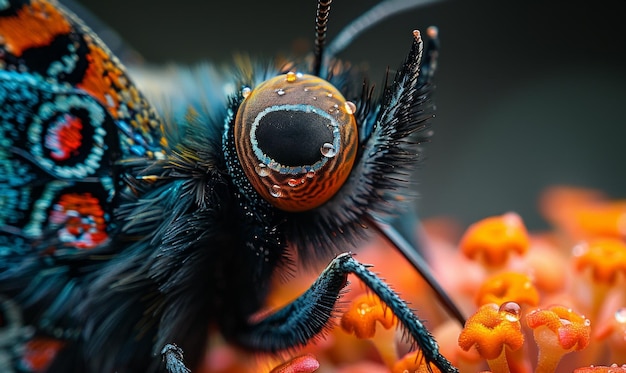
[372, 17]
[321, 20]
[412, 255]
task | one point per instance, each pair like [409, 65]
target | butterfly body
[128, 227]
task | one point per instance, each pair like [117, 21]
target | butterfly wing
[70, 123]
[44, 39]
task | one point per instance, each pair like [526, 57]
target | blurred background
[529, 94]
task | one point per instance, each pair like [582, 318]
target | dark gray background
[529, 93]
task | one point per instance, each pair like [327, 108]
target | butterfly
[131, 225]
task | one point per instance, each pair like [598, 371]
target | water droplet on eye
[328, 150]
[291, 77]
[511, 311]
[293, 182]
[280, 91]
[245, 92]
[350, 107]
[329, 95]
[262, 170]
[310, 174]
[276, 191]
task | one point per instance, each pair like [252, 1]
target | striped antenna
[321, 20]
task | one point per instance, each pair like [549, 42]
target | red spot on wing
[64, 138]
[39, 353]
[82, 219]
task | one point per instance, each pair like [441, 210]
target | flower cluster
[530, 297]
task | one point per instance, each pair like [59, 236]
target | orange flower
[508, 287]
[493, 330]
[603, 219]
[604, 261]
[614, 332]
[584, 213]
[361, 320]
[560, 206]
[493, 239]
[604, 257]
[557, 331]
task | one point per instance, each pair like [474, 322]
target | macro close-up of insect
[133, 223]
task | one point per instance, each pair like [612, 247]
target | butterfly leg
[308, 315]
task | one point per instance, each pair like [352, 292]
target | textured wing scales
[70, 123]
[56, 165]
[44, 39]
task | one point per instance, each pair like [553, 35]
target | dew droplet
[511, 311]
[262, 170]
[294, 182]
[350, 107]
[280, 91]
[276, 191]
[328, 150]
[329, 94]
[291, 77]
[310, 174]
[245, 92]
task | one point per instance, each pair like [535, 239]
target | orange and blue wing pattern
[41, 38]
[69, 115]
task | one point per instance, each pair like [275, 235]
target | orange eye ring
[296, 138]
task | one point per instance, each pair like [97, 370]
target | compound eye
[296, 139]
